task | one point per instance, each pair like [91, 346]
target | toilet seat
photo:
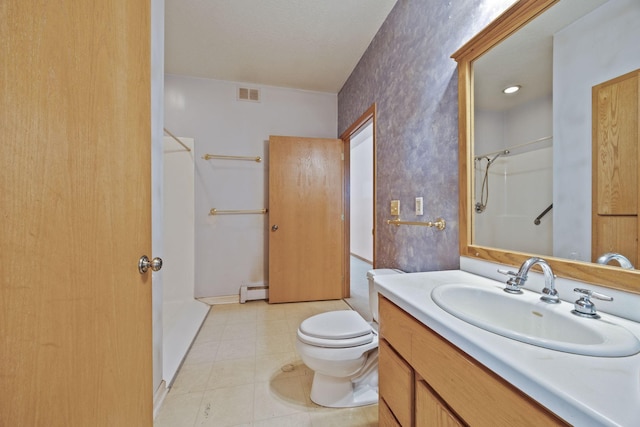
[336, 329]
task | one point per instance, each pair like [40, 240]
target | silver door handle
[144, 264]
[274, 227]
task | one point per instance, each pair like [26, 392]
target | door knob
[144, 264]
[274, 227]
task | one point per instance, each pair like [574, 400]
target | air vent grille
[248, 94]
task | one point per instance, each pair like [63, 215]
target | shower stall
[182, 314]
[513, 198]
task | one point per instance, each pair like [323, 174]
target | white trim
[228, 299]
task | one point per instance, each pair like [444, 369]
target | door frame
[368, 115]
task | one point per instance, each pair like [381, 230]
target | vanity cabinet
[427, 381]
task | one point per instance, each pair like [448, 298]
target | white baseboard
[258, 291]
[228, 299]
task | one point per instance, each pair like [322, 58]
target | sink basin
[527, 319]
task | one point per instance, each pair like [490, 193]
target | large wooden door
[305, 219]
[75, 314]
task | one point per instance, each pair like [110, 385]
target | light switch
[419, 206]
[395, 207]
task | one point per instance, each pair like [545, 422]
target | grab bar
[544, 212]
[257, 159]
[439, 223]
[215, 211]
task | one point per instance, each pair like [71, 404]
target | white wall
[602, 45]
[231, 250]
[361, 194]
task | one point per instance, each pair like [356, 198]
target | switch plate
[419, 206]
[395, 207]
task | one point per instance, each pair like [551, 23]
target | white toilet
[342, 350]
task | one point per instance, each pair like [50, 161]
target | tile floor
[243, 370]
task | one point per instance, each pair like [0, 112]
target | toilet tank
[373, 295]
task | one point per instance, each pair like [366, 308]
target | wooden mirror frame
[518, 15]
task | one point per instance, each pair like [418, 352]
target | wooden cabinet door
[305, 219]
[396, 382]
[430, 411]
[615, 187]
[75, 202]
[385, 416]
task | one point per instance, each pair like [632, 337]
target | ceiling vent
[248, 94]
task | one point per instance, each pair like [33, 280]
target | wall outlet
[419, 206]
[395, 207]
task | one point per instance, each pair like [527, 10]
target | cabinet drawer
[396, 383]
[431, 411]
[396, 327]
[476, 394]
[385, 416]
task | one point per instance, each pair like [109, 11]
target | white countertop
[583, 390]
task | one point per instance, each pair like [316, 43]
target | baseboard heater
[253, 292]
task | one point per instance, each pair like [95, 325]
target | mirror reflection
[536, 189]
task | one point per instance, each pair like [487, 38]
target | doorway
[359, 150]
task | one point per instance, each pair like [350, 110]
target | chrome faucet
[622, 260]
[517, 280]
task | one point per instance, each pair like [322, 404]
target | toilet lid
[336, 325]
[333, 343]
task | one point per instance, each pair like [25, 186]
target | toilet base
[348, 392]
[335, 392]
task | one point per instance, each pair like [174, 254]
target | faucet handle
[584, 307]
[514, 283]
[507, 272]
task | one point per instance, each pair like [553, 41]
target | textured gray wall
[407, 71]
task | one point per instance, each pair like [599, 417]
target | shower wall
[520, 183]
[182, 315]
[519, 190]
[232, 250]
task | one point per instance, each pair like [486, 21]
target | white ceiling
[525, 58]
[303, 44]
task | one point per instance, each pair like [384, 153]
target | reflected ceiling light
[511, 89]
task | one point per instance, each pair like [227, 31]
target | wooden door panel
[305, 203]
[616, 145]
[615, 186]
[75, 201]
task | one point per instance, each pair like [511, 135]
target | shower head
[481, 205]
[502, 153]
[490, 161]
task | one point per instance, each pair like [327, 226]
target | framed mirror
[526, 158]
